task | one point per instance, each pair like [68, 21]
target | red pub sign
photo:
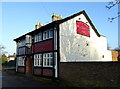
[83, 28]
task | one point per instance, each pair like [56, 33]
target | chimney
[55, 17]
[38, 25]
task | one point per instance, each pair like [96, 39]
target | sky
[19, 18]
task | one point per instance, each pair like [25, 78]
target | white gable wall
[73, 46]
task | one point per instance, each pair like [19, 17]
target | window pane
[37, 56]
[44, 35]
[47, 55]
[47, 34]
[47, 62]
[51, 61]
[44, 61]
[40, 36]
[41, 61]
[38, 62]
[51, 33]
[51, 54]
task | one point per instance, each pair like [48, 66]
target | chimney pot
[55, 17]
[38, 25]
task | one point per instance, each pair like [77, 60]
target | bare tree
[110, 5]
[2, 51]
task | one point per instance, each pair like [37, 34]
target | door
[29, 65]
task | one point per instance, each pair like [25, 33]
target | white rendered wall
[73, 46]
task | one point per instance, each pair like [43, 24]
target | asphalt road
[13, 81]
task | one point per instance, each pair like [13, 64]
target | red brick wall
[119, 56]
[115, 55]
[37, 71]
[47, 72]
[90, 74]
[21, 69]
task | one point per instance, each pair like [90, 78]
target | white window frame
[51, 32]
[28, 39]
[38, 37]
[21, 61]
[38, 60]
[47, 34]
[48, 60]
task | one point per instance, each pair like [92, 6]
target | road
[9, 80]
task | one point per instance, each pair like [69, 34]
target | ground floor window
[37, 59]
[21, 61]
[48, 59]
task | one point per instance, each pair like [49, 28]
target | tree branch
[111, 19]
[112, 4]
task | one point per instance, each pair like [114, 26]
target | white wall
[73, 46]
[11, 58]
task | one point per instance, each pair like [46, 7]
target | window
[45, 35]
[102, 56]
[28, 39]
[38, 37]
[21, 61]
[48, 34]
[21, 43]
[51, 34]
[37, 59]
[48, 59]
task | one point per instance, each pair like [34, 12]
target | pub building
[72, 39]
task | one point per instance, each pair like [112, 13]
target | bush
[10, 63]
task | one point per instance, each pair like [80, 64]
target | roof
[56, 23]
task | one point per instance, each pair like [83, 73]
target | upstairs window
[47, 34]
[28, 39]
[38, 37]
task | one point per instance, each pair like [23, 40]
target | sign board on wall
[82, 28]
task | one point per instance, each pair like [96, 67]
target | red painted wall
[44, 46]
